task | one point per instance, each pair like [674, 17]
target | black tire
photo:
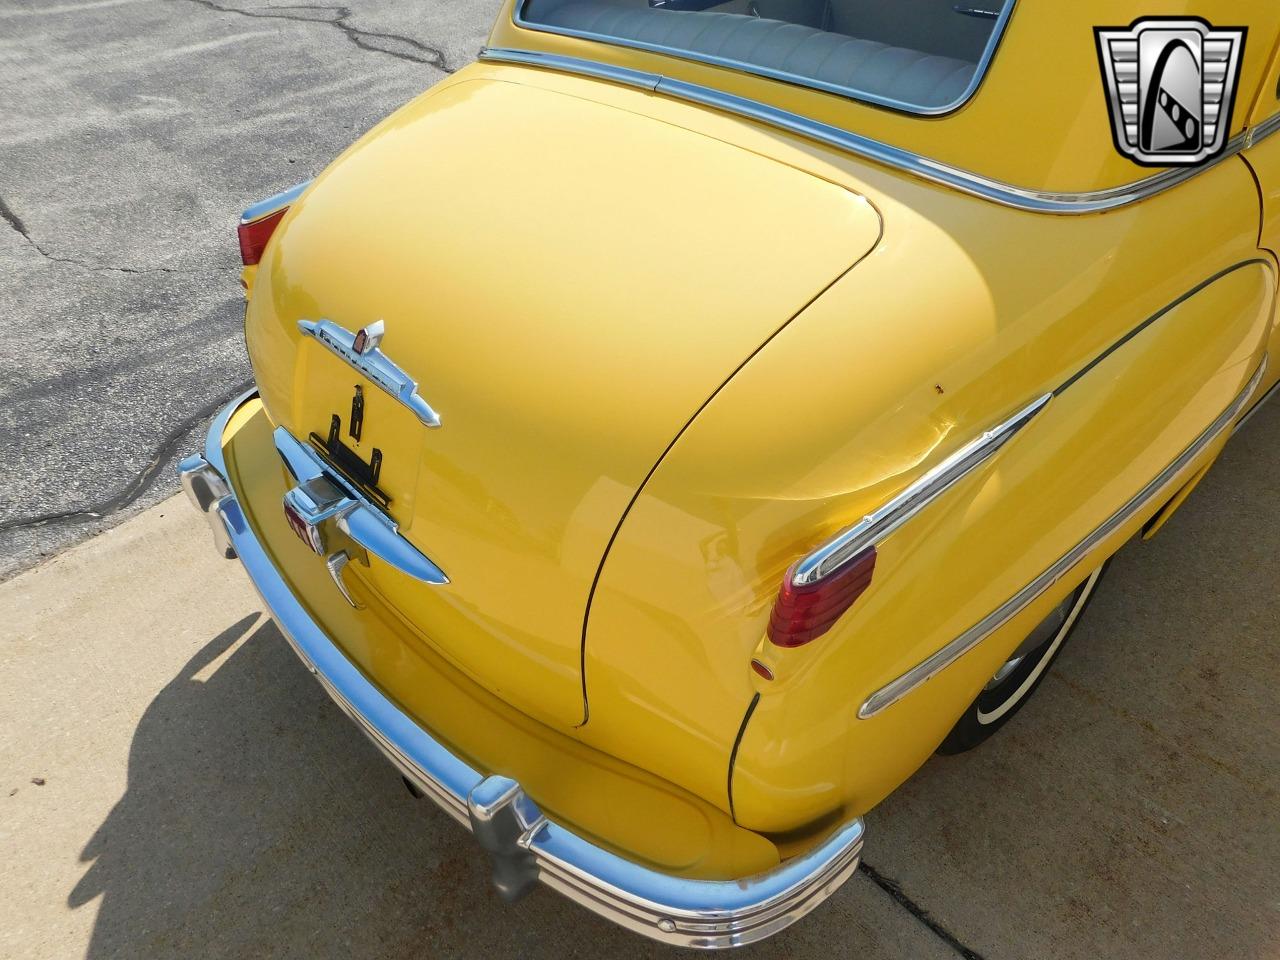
[1017, 680]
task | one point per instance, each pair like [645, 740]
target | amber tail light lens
[804, 613]
[255, 234]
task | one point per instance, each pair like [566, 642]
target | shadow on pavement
[258, 822]
[1128, 811]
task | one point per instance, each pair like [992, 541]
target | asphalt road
[174, 784]
[132, 134]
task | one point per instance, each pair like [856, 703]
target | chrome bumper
[523, 844]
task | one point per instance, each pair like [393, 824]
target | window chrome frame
[1068, 203]
[1262, 130]
[849, 93]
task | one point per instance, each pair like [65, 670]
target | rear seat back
[930, 26]
[824, 49]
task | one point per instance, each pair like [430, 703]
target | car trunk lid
[568, 283]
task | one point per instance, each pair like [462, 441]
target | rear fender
[1090, 457]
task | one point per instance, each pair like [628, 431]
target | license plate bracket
[364, 476]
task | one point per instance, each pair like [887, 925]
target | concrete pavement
[174, 784]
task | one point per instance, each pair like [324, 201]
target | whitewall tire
[1015, 681]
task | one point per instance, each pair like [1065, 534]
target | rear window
[922, 56]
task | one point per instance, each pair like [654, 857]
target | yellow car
[673, 428]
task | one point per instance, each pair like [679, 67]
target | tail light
[805, 612]
[254, 236]
[825, 584]
[259, 222]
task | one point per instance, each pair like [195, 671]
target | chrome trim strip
[353, 514]
[264, 208]
[381, 370]
[892, 692]
[1272, 391]
[875, 526]
[979, 70]
[957, 178]
[524, 844]
[586, 68]
[1263, 130]
[1162, 312]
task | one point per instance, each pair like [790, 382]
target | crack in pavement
[13, 220]
[400, 47]
[8, 215]
[892, 888]
[141, 483]
[393, 45]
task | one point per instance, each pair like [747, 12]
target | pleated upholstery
[861, 66]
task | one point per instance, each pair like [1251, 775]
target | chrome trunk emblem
[362, 351]
[1171, 84]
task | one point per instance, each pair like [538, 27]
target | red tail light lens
[254, 235]
[801, 614]
[259, 222]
